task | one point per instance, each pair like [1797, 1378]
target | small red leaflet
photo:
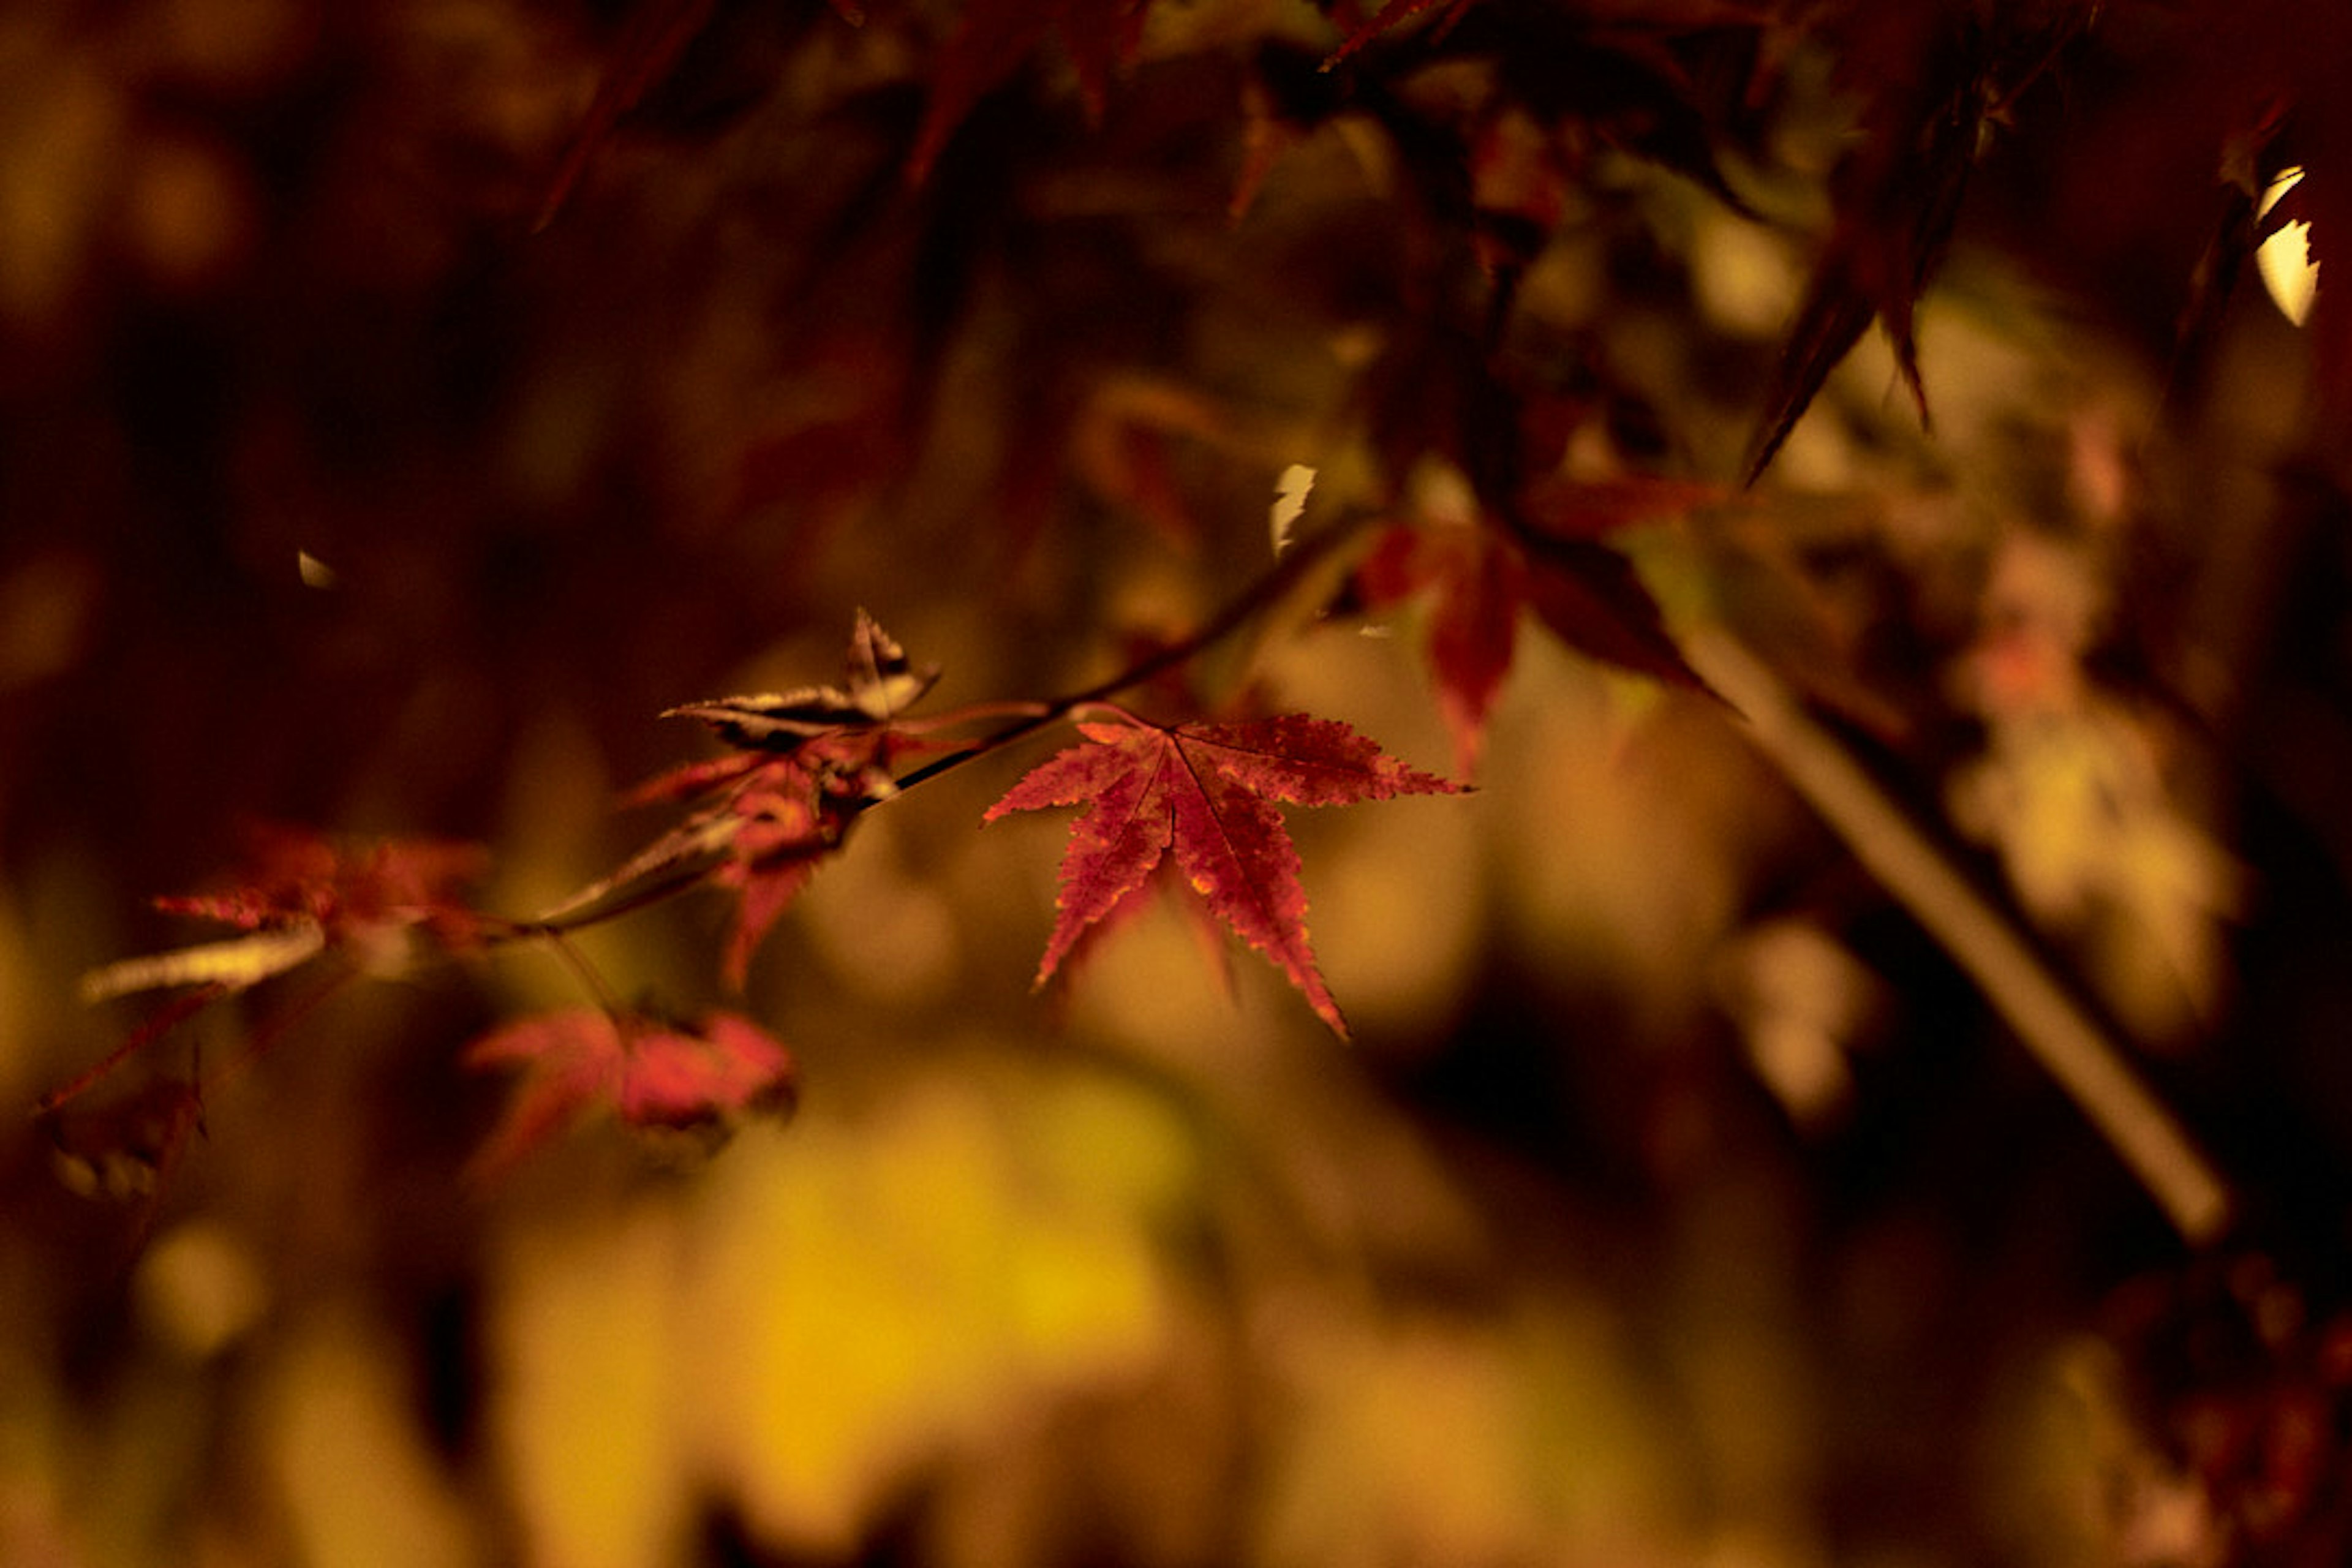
[1207, 792]
[806, 762]
[652, 1074]
[304, 893]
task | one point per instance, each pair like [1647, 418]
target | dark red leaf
[650, 1073]
[812, 759]
[1587, 509]
[1594, 601]
[782, 836]
[765, 825]
[1933, 75]
[303, 893]
[1481, 576]
[1479, 582]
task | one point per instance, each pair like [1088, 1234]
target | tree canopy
[1806, 535]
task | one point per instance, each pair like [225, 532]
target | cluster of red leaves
[762, 826]
[991, 41]
[1933, 77]
[654, 36]
[354, 890]
[655, 1075]
[303, 894]
[1934, 80]
[807, 762]
[1197, 797]
[1206, 795]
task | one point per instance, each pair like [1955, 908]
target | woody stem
[1294, 567]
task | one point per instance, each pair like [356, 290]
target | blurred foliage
[1677, 1202]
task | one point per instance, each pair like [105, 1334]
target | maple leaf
[651, 1073]
[1479, 582]
[303, 893]
[786, 822]
[811, 759]
[1481, 576]
[1205, 793]
[1937, 76]
[763, 826]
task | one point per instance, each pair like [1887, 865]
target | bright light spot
[1291, 492]
[199, 1290]
[1441, 493]
[315, 573]
[2285, 258]
[1745, 277]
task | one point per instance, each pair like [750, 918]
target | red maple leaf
[303, 893]
[787, 820]
[651, 1073]
[1934, 78]
[763, 826]
[808, 761]
[1482, 577]
[1205, 793]
[1479, 582]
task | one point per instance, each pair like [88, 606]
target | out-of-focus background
[1677, 1200]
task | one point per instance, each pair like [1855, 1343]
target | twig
[663, 870]
[2049, 1023]
[1304, 556]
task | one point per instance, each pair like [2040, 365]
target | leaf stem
[161, 1022]
[590, 977]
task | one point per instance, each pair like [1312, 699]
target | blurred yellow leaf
[360, 1486]
[875, 1290]
[591, 1406]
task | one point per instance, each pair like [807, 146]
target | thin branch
[1296, 564]
[2179, 1175]
[665, 870]
[589, 977]
[161, 1022]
